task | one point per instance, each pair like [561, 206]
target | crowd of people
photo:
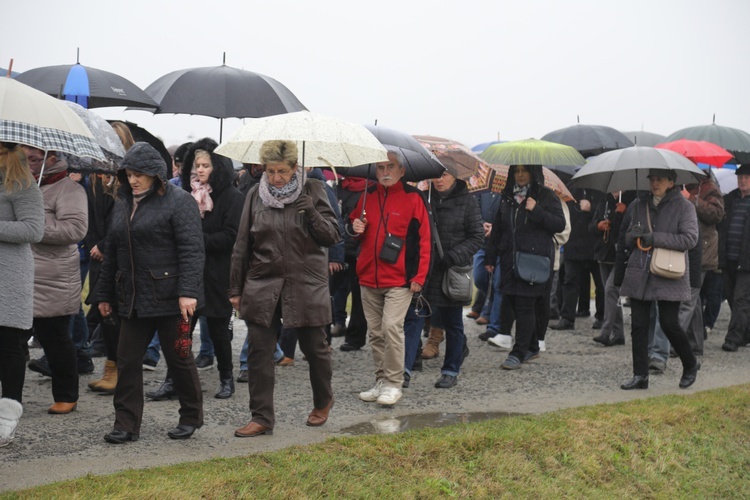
[167, 249]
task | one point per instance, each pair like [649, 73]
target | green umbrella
[532, 152]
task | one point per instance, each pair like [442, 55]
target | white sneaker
[372, 394]
[501, 341]
[389, 396]
[542, 347]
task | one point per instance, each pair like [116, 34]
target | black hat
[743, 169]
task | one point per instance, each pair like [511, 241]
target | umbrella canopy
[140, 134]
[532, 152]
[460, 161]
[324, 141]
[420, 165]
[89, 87]
[698, 151]
[28, 116]
[481, 147]
[734, 140]
[627, 169]
[726, 178]
[105, 137]
[589, 140]
[641, 138]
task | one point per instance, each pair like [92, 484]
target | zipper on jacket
[132, 265]
[380, 222]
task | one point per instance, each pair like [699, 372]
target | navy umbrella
[86, 86]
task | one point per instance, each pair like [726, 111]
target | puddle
[421, 421]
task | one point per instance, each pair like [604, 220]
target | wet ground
[574, 371]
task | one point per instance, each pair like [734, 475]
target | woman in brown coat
[280, 270]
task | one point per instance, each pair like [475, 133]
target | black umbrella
[222, 92]
[420, 163]
[140, 134]
[590, 140]
[89, 87]
[734, 140]
[641, 138]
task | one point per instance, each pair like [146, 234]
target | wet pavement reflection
[392, 425]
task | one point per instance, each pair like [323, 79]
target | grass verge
[693, 446]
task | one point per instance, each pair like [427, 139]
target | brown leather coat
[280, 256]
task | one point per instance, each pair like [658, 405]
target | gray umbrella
[641, 138]
[734, 140]
[627, 169]
[589, 140]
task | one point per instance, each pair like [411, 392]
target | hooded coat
[280, 257]
[156, 256]
[219, 228]
[675, 226]
[57, 263]
[534, 231]
[459, 227]
[21, 223]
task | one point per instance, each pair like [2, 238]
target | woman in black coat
[153, 272]
[459, 227]
[220, 204]
[527, 220]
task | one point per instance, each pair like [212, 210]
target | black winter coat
[581, 243]
[604, 247]
[158, 256]
[219, 233]
[744, 263]
[459, 226]
[101, 205]
[534, 232]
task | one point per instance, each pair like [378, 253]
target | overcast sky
[468, 70]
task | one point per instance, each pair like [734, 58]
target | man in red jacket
[394, 230]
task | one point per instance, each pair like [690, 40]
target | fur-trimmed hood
[223, 173]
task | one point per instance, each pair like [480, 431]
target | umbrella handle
[640, 247]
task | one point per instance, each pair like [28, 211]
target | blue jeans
[658, 343]
[496, 300]
[453, 323]
[482, 282]
[413, 326]
[152, 351]
[278, 354]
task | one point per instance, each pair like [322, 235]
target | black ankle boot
[165, 391]
[637, 382]
[226, 387]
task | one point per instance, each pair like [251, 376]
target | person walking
[662, 219]
[153, 274]
[460, 234]
[21, 224]
[529, 216]
[279, 269]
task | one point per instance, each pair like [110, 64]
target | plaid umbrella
[28, 116]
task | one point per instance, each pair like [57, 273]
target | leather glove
[647, 239]
[620, 208]
[305, 204]
[637, 231]
[604, 225]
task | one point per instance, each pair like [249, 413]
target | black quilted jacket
[158, 256]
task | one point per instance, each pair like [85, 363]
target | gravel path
[574, 371]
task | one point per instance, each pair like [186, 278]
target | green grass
[694, 446]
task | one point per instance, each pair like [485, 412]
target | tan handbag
[666, 263]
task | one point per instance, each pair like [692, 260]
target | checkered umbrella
[28, 116]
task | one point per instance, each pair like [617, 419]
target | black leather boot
[226, 387]
[637, 382]
[165, 391]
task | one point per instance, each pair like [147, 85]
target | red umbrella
[699, 151]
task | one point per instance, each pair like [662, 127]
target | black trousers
[737, 293]
[356, 330]
[54, 336]
[575, 272]
[135, 335]
[525, 309]
[262, 369]
[220, 331]
[640, 313]
[12, 362]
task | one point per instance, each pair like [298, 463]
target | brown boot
[432, 349]
[108, 382]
